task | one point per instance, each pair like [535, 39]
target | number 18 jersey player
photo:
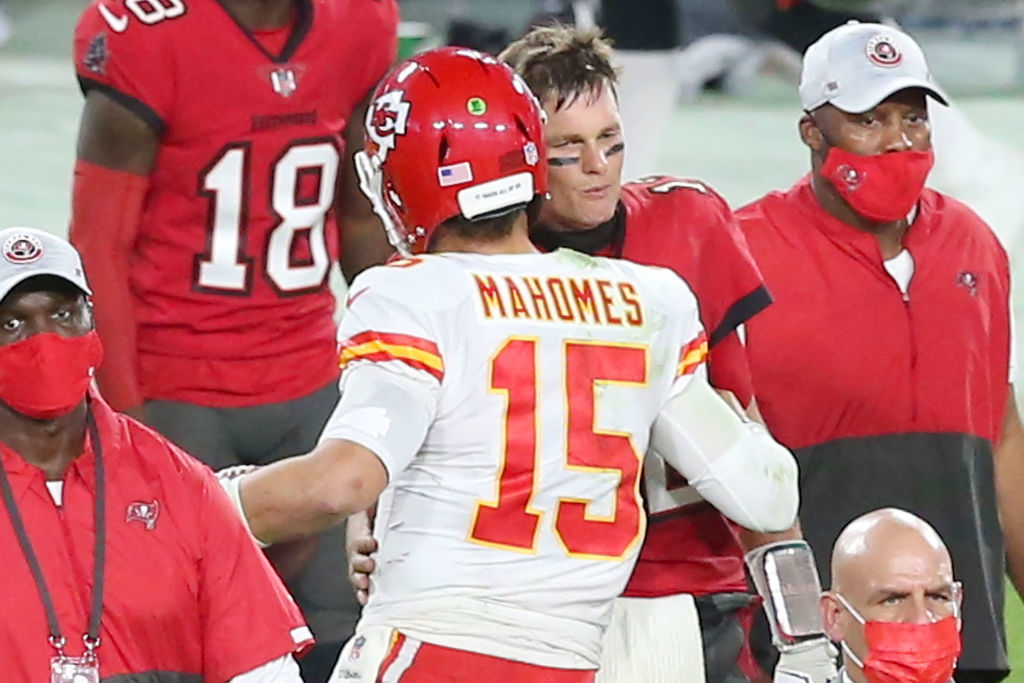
[211, 157]
[499, 401]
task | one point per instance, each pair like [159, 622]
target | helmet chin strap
[371, 181]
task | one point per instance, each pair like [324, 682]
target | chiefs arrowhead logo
[386, 120]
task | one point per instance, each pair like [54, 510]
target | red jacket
[186, 591]
[889, 400]
[842, 354]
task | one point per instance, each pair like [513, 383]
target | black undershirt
[607, 237]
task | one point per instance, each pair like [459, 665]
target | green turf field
[743, 148]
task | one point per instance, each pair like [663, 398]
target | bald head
[887, 566]
[887, 542]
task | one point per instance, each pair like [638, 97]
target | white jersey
[518, 520]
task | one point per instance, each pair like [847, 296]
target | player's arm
[1009, 475]
[740, 469]
[731, 291]
[363, 240]
[376, 430]
[733, 463]
[116, 150]
[301, 496]
[784, 574]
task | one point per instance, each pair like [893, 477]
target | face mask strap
[958, 591]
[860, 620]
[849, 653]
[849, 608]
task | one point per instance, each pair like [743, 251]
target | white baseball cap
[856, 66]
[27, 252]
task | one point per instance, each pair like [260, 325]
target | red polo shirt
[843, 353]
[187, 594]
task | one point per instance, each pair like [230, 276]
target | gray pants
[723, 635]
[258, 435]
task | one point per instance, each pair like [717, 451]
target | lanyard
[92, 638]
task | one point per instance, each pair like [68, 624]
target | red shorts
[413, 661]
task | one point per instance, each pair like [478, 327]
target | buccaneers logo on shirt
[143, 512]
[968, 281]
[96, 56]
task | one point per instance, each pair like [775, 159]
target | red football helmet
[450, 132]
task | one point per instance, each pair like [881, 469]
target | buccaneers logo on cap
[23, 248]
[882, 51]
[386, 119]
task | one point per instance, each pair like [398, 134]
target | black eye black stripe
[570, 161]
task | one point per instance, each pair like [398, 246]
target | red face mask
[908, 653]
[880, 187]
[47, 375]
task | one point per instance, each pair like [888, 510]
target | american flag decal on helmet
[455, 174]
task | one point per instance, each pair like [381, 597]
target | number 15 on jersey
[511, 521]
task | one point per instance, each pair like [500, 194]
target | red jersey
[685, 226]
[230, 265]
[186, 591]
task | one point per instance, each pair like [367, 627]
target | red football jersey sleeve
[237, 237]
[120, 54]
[248, 616]
[687, 227]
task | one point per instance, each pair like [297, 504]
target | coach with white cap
[884, 362]
[122, 557]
